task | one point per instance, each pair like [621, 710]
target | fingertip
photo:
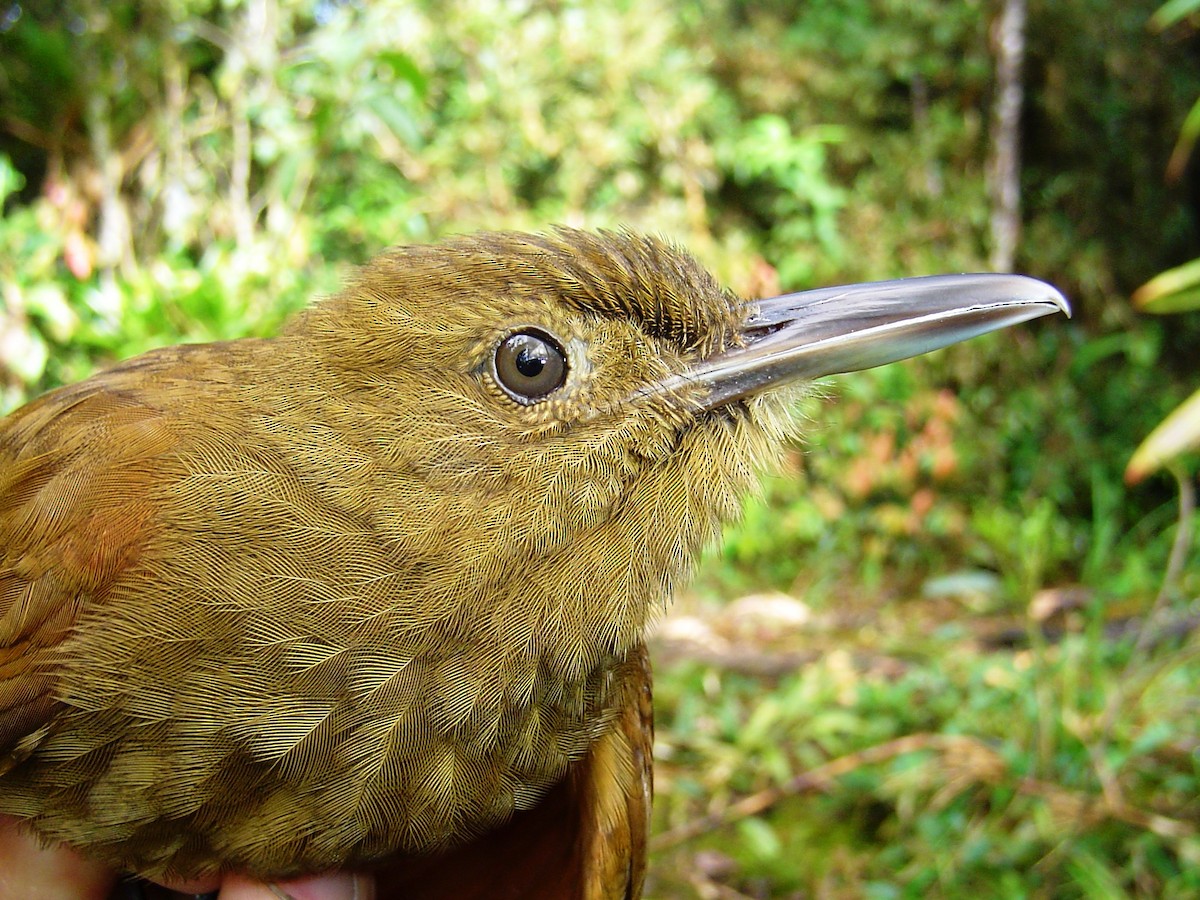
[334, 886]
[29, 868]
[195, 886]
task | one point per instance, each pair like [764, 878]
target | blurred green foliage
[191, 170]
[994, 785]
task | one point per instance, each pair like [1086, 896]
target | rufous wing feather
[75, 472]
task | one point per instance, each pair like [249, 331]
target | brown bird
[374, 591]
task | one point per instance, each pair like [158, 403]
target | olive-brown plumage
[375, 589]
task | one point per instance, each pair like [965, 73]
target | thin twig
[1178, 557]
[816, 779]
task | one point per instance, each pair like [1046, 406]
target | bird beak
[858, 326]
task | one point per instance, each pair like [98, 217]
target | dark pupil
[531, 358]
[530, 365]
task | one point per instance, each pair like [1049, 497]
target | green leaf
[1176, 434]
[1175, 290]
[761, 839]
[1155, 735]
[403, 67]
[11, 180]
[1094, 877]
[1188, 132]
[1173, 11]
[397, 117]
[49, 302]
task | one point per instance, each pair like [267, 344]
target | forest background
[950, 651]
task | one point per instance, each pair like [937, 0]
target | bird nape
[373, 592]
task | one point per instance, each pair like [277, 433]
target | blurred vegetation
[993, 681]
[1176, 290]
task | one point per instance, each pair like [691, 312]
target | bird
[372, 593]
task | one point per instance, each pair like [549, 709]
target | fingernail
[336, 886]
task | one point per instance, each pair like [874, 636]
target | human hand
[31, 871]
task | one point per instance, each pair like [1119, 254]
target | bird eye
[530, 365]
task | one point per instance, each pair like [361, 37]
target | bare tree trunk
[1004, 167]
[115, 236]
